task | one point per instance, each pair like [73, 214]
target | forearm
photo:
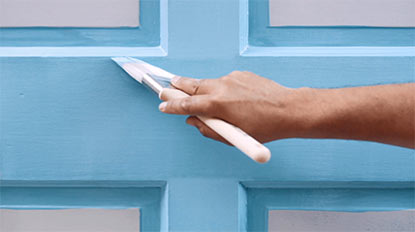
[384, 113]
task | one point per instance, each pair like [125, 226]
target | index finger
[193, 86]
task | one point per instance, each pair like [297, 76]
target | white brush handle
[231, 133]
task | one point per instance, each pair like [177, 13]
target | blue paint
[242, 209]
[147, 34]
[82, 51]
[150, 39]
[328, 51]
[83, 121]
[257, 38]
[60, 196]
[347, 199]
[261, 34]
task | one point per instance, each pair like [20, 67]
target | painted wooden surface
[82, 120]
[263, 198]
[147, 34]
[149, 197]
[262, 34]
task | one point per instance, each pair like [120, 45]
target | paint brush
[158, 80]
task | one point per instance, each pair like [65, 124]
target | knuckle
[236, 72]
[230, 75]
[195, 86]
[227, 79]
[185, 105]
[198, 85]
[224, 78]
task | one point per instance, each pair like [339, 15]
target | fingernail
[175, 79]
[162, 106]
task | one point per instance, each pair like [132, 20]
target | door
[78, 133]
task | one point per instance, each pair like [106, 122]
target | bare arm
[383, 113]
[269, 111]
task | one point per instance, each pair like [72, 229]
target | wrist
[307, 112]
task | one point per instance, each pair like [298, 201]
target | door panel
[73, 115]
[146, 199]
[329, 206]
[88, 220]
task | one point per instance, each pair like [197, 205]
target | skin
[269, 111]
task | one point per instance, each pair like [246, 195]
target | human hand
[259, 106]
[268, 111]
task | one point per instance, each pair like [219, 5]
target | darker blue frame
[263, 35]
[147, 196]
[146, 35]
[259, 198]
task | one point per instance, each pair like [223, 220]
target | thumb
[192, 105]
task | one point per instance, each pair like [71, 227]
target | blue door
[77, 132]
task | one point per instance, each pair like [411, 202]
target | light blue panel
[262, 34]
[83, 119]
[147, 34]
[352, 197]
[73, 195]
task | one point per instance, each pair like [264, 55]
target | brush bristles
[121, 60]
[133, 71]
